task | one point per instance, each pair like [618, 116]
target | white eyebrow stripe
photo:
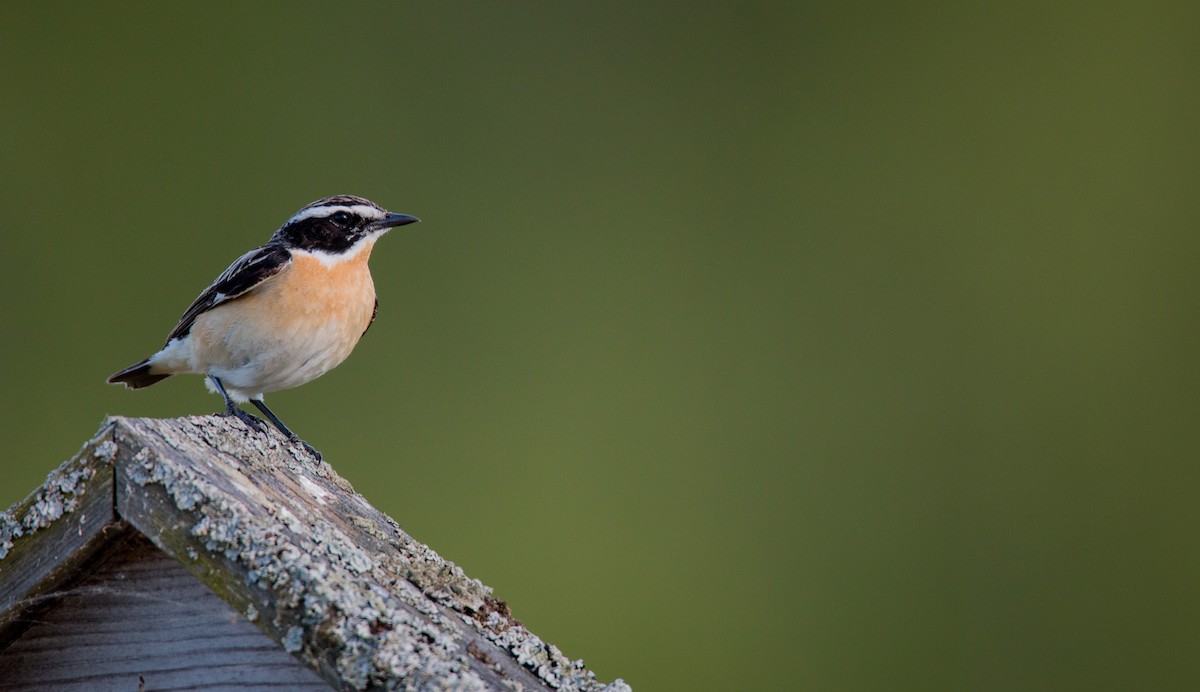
[363, 210]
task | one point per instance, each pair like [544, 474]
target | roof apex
[289, 544]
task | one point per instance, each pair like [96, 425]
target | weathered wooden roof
[286, 542]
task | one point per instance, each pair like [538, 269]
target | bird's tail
[137, 376]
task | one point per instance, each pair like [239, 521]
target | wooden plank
[266, 526]
[283, 542]
[46, 538]
[141, 619]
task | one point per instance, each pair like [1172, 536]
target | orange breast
[296, 326]
[316, 294]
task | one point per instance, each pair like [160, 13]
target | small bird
[282, 314]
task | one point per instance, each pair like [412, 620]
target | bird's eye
[341, 218]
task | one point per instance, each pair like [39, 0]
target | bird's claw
[251, 422]
[307, 447]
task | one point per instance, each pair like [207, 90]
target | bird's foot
[252, 422]
[307, 447]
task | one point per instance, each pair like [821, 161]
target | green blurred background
[743, 346]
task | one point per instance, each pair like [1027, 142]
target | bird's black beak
[391, 221]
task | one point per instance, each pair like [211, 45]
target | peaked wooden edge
[48, 537]
[433, 626]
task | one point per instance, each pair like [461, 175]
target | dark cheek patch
[321, 235]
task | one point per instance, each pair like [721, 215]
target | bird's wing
[374, 311]
[246, 273]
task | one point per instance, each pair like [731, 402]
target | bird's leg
[262, 406]
[232, 409]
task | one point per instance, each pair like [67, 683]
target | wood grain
[61, 526]
[140, 617]
[267, 569]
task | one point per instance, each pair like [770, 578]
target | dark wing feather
[374, 311]
[246, 272]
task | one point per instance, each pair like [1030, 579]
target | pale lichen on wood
[48, 535]
[288, 543]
